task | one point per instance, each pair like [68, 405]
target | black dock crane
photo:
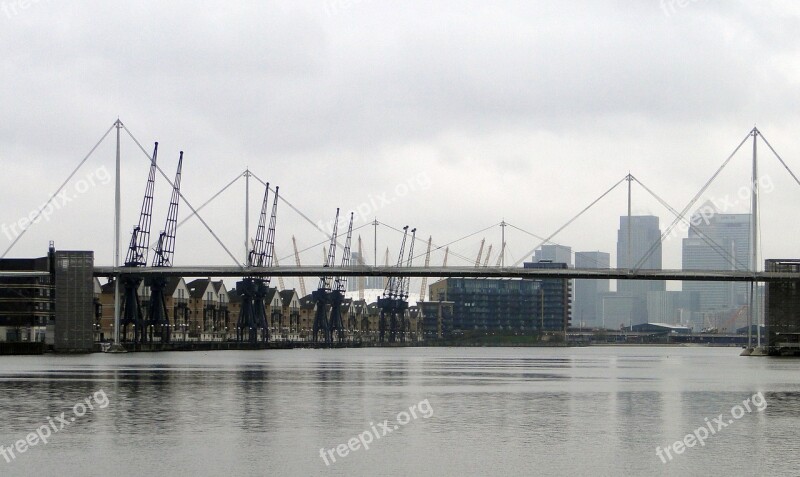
[402, 302]
[137, 257]
[253, 290]
[389, 302]
[158, 318]
[335, 324]
[322, 294]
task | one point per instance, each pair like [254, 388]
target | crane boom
[340, 284]
[165, 250]
[500, 257]
[488, 254]
[268, 255]
[480, 253]
[140, 238]
[406, 281]
[256, 257]
[395, 284]
[330, 259]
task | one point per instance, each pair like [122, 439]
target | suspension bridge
[261, 263]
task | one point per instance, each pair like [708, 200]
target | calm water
[522, 411]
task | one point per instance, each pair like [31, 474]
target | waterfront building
[57, 310]
[26, 303]
[209, 316]
[176, 297]
[783, 310]
[555, 297]
[290, 314]
[498, 304]
[437, 318]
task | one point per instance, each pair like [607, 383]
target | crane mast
[158, 320]
[322, 294]
[390, 302]
[335, 324]
[252, 320]
[132, 314]
[403, 321]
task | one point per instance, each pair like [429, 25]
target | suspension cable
[212, 198]
[691, 203]
[728, 256]
[41, 209]
[779, 158]
[439, 247]
[185, 201]
[573, 219]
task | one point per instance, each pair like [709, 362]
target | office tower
[553, 253]
[587, 304]
[718, 242]
[643, 251]
[369, 282]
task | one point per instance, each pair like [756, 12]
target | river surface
[593, 411]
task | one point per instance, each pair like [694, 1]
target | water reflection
[496, 411]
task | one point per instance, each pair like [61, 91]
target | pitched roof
[307, 302]
[218, 285]
[197, 288]
[286, 296]
[172, 284]
[107, 287]
[270, 295]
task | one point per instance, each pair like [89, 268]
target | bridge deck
[456, 272]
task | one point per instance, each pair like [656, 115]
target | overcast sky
[447, 116]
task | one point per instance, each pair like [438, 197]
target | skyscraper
[553, 253]
[587, 304]
[718, 242]
[643, 251]
[369, 282]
